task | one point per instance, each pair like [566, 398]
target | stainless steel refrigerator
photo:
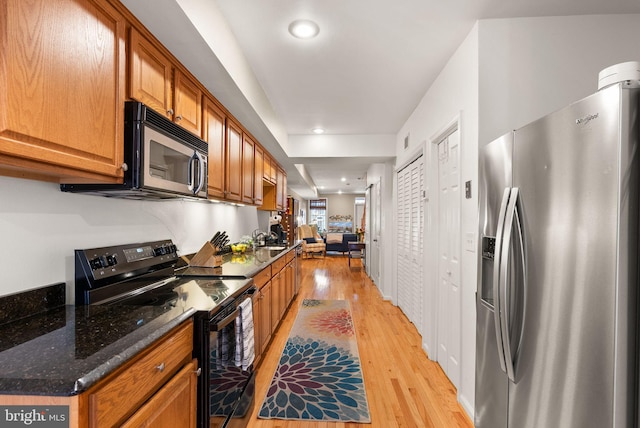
[557, 302]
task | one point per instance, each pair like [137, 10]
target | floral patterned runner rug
[319, 375]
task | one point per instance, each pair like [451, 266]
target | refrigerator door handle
[506, 287]
[496, 278]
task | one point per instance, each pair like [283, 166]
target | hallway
[404, 389]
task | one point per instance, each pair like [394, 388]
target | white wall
[530, 67]
[40, 227]
[341, 205]
[453, 96]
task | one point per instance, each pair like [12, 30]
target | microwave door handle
[202, 172]
[190, 173]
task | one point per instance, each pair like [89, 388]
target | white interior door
[449, 257]
[410, 232]
[367, 230]
[372, 232]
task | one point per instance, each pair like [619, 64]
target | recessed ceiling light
[317, 131]
[343, 179]
[304, 29]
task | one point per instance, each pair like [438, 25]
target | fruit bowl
[238, 248]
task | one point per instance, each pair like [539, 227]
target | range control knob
[95, 263]
[159, 251]
[103, 261]
[112, 260]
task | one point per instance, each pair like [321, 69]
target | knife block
[207, 256]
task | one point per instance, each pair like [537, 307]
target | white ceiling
[363, 75]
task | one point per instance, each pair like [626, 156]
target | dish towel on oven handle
[245, 347]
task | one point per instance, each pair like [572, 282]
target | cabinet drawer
[174, 405]
[124, 392]
[263, 277]
[278, 265]
[290, 255]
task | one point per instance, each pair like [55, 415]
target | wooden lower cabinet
[157, 388]
[276, 290]
[262, 319]
[166, 409]
[125, 391]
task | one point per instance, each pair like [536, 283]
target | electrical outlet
[469, 242]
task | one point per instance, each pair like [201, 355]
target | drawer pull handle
[160, 367]
[199, 371]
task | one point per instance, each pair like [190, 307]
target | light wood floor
[404, 388]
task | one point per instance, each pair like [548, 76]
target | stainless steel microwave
[161, 160]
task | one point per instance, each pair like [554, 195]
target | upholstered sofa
[338, 243]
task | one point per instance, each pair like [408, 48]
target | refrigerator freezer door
[491, 381]
[566, 167]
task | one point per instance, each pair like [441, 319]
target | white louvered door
[410, 230]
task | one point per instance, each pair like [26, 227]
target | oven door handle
[226, 320]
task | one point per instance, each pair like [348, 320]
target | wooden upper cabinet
[281, 189]
[214, 134]
[156, 82]
[62, 90]
[248, 156]
[258, 163]
[266, 167]
[233, 162]
[188, 104]
[151, 75]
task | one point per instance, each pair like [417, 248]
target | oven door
[231, 389]
[171, 165]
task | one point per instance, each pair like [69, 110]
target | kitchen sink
[272, 248]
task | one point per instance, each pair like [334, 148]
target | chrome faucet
[258, 238]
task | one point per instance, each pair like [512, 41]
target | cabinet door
[213, 134]
[282, 305]
[281, 190]
[258, 307]
[188, 104]
[266, 325]
[62, 90]
[172, 406]
[266, 167]
[233, 164]
[289, 283]
[248, 155]
[151, 75]
[275, 300]
[273, 168]
[258, 163]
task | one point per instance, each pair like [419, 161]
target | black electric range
[144, 275]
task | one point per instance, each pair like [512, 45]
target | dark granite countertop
[65, 350]
[246, 265]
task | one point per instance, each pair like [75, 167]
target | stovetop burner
[164, 296]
